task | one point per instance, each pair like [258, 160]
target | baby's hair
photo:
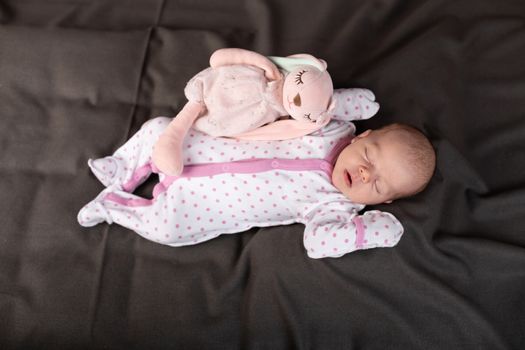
[420, 154]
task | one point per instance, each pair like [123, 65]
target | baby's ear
[365, 133]
[361, 135]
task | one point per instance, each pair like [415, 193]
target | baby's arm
[354, 104]
[333, 232]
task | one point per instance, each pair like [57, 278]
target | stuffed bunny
[243, 94]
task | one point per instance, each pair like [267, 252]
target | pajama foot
[107, 170]
[95, 212]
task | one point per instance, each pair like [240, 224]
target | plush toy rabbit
[243, 94]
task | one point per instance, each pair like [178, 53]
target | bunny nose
[297, 100]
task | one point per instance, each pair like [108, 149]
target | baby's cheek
[358, 193]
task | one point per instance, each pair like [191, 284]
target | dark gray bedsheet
[78, 77]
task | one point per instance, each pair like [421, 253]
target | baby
[321, 180]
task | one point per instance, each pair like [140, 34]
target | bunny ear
[290, 62]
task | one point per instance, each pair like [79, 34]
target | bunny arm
[282, 130]
[167, 152]
[231, 56]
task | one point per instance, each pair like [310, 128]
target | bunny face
[307, 94]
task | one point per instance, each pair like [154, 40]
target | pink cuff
[359, 231]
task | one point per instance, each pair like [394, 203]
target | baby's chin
[338, 183]
[341, 186]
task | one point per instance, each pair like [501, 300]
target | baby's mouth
[348, 178]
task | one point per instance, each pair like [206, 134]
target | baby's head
[382, 165]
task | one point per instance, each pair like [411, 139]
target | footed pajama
[229, 186]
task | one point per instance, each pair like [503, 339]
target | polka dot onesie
[229, 186]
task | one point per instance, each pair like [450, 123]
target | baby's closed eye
[377, 187]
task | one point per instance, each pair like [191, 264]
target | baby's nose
[364, 174]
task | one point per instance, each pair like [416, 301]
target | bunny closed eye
[299, 76]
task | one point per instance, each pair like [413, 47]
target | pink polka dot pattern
[354, 104]
[200, 148]
[195, 209]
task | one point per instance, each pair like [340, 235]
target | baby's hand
[380, 229]
[336, 231]
[354, 104]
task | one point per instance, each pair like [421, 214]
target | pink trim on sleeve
[359, 231]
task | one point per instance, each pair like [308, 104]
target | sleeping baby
[322, 180]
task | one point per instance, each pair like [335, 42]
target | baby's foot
[95, 212]
[107, 170]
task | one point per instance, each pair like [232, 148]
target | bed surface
[78, 78]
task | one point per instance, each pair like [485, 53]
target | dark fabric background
[78, 77]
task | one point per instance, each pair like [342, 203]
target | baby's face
[372, 169]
